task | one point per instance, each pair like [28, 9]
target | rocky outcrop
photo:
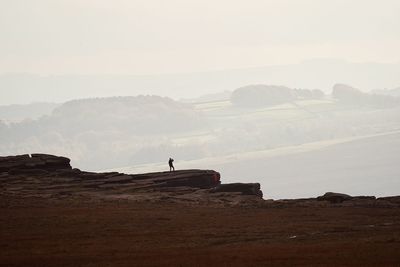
[52, 177]
[48, 175]
[33, 162]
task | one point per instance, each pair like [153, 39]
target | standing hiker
[171, 165]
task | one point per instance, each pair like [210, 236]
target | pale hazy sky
[166, 36]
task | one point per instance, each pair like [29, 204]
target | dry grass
[87, 233]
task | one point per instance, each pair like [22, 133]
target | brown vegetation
[82, 232]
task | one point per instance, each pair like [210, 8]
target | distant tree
[316, 93]
[302, 93]
[351, 96]
[390, 92]
[261, 95]
[347, 94]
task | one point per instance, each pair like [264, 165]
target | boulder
[334, 197]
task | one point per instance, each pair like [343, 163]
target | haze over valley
[253, 132]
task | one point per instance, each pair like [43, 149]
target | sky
[138, 37]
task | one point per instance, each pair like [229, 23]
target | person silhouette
[171, 165]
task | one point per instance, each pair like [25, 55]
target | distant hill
[135, 115]
[13, 113]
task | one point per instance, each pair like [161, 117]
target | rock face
[190, 178]
[245, 189]
[48, 175]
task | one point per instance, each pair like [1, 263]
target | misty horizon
[25, 88]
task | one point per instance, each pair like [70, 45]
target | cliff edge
[43, 175]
